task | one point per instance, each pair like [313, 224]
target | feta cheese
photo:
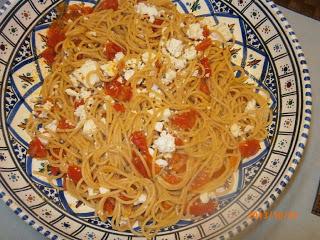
[129, 74]
[148, 10]
[151, 151]
[159, 126]
[150, 111]
[147, 56]
[169, 77]
[162, 163]
[52, 126]
[204, 197]
[118, 57]
[195, 31]
[71, 92]
[165, 143]
[236, 130]
[85, 74]
[80, 112]
[131, 63]
[166, 114]
[251, 106]
[179, 63]
[44, 138]
[174, 47]
[195, 73]
[109, 69]
[89, 128]
[142, 198]
[47, 106]
[103, 190]
[84, 93]
[248, 128]
[190, 53]
[91, 192]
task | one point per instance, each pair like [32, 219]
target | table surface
[299, 194]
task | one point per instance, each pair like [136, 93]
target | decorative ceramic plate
[266, 47]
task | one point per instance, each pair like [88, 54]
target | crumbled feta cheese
[248, 128]
[41, 130]
[169, 77]
[236, 130]
[182, 24]
[41, 115]
[195, 73]
[148, 10]
[151, 151]
[174, 47]
[118, 57]
[109, 69]
[84, 93]
[71, 92]
[161, 163]
[142, 198]
[103, 190]
[129, 74]
[204, 197]
[52, 126]
[89, 128]
[47, 106]
[131, 63]
[91, 192]
[103, 120]
[85, 74]
[224, 30]
[147, 56]
[251, 106]
[195, 31]
[190, 53]
[179, 63]
[159, 126]
[140, 65]
[44, 138]
[80, 112]
[150, 111]
[166, 114]
[165, 143]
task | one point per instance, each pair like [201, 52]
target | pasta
[143, 115]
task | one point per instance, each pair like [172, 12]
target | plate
[266, 47]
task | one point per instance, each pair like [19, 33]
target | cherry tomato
[178, 141]
[118, 91]
[54, 171]
[109, 4]
[199, 209]
[171, 178]
[109, 205]
[158, 22]
[55, 35]
[204, 44]
[125, 94]
[119, 107]
[63, 124]
[36, 149]
[185, 120]
[207, 69]
[111, 49]
[206, 31]
[178, 162]
[249, 148]
[74, 173]
[204, 87]
[139, 139]
[49, 55]
[201, 179]
[138, 164]
[78, 103]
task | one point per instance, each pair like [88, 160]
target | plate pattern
[266, 47]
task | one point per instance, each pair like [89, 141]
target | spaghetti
[143, 114]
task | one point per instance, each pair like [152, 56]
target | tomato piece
[125, 94]
[206, 65]
[55, 35]
[219, 172]
[63, 124]
[178, 141]
[113, 88]
[171, 178]
[139, 139]
[119, 107]
[36, 149]
[74, 173]
[249, 148]
[138, 164]
[204, 87]
[206, 31]
[185, 120]
[204, 44]
[109, 205]
[54, 170]
[109, 4]
[158, 22]
[85, 10]
[201, 179]
[178, 162]
[49, 55]
[166, 205]
[199, 209]
[111, 49]
[78, 103]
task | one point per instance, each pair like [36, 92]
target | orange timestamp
[275, 215]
